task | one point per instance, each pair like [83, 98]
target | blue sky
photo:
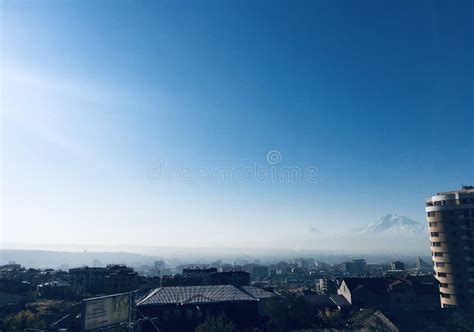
[377, 95]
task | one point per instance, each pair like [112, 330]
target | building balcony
[448, 279]
[449, 301]
[445, 259]
[442, 247]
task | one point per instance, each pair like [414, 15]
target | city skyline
[376, 97]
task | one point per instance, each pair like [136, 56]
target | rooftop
[464, 189]
[257, 293]
[389, 283]
[376, 285]
[333, 300]
[195, 295]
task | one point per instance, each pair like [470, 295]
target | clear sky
[378, 95]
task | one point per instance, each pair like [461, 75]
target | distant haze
[390, 234]
[185, 256]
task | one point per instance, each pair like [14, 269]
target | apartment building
[451, 225]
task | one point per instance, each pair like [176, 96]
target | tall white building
[451, 227]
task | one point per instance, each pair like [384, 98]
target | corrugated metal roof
[340, 300]
[376, 285]
[319, 300]
[258, 293]
[195, 294]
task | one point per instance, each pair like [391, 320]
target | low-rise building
[328, 302]
[397, 265]
[235, 278]
[103, 280]
[203, 274]
[396, 273]
[326, 286]
[183, 308]
[259, 271]
[180, 280]
[355, 267]
[412, 293]
[53, 289]
[203, 277]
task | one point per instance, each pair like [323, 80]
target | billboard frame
[84, 305]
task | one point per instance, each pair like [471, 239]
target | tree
[216, 324]
[289, 313]
[331, 319]
[358, 319]
[460, 321]
[23, 320]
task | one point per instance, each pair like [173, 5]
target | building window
[434, 234]
[438, 254]
[432, 214]
[439, 264]
[446, 296]
[436, 244]
[443, 285]
[433, 224]
[442, 274]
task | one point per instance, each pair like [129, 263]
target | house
[236, 278]
[203, 277]
[183, 308]
[103, 280]
[365, 292]
[414, 293]
[53, 289]
[411, 293]
[328, 302]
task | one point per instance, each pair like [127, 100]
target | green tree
[216, 324]
[358, 319]
[22, 320]
[289, 313]
[460, 321]
[331, 319]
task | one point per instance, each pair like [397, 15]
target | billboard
[105, 311]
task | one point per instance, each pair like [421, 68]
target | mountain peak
[391, 224]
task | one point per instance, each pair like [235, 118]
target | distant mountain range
[390, 225]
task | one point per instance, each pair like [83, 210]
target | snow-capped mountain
[390, 224]
[391, 234]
